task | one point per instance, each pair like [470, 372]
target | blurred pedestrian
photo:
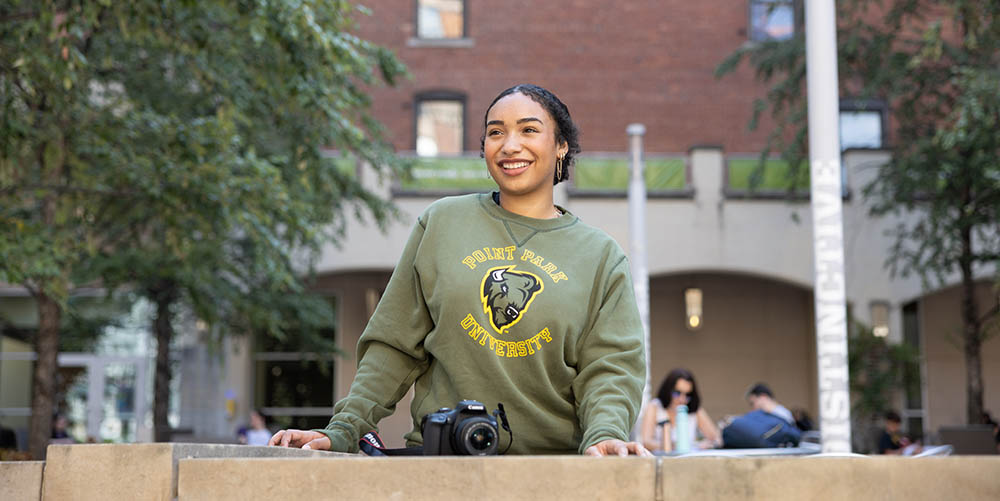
[257, 433]
[658, 430]
[60, 430]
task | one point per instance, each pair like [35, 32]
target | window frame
[440, 95]
[796, 19]
[257, 355]
[443, 40]
[872, 104]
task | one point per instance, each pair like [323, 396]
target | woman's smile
[520, 148]
[514, 167]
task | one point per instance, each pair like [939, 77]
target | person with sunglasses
[658, 431]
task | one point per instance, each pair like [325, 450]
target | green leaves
[183, 142]
[935, 64]
[936, 67]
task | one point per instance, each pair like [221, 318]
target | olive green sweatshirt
[488, 305]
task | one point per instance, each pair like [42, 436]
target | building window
[772, 20]
[438, 19]
[862, 124]
[440, 124]
[880, 318]
[913, 388]
[294, 388]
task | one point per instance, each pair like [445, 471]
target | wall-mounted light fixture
[692, 302]
[880, 318]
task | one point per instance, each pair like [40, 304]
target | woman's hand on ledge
[615, 447]
[301, 439]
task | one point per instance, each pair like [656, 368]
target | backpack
[757, 429]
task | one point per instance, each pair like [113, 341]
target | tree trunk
[164, 329]
[972, 342]
[44, 386]
[970, 334]
[47, 340]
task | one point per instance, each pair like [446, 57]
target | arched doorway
[751, 329]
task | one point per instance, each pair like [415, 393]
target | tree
[46, 193]
[876, 370]
[182, 149]
[937, 65]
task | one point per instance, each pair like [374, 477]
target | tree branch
[68, 189]
[19, 16]
[993, 311]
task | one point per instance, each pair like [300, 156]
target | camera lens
[477, 437]
[481, 439]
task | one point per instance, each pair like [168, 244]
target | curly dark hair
[566, 131]
[670, 382]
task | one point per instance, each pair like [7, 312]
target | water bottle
[683, 433]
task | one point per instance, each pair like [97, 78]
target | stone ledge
[575, 477]
[510, 477]
[199, 471]
[136, 471]
[833, 478]
[21, 480]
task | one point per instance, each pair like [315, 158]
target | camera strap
[371, 444]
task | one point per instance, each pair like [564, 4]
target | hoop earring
[559, 168]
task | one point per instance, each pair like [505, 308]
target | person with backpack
[768, 425]
[760, 397]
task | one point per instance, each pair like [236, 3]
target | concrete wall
[21, 480]
[940, 330]
[136, 471]
[754, 330]
[192, 472]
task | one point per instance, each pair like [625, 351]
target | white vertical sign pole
[637, 238]
[828, 226]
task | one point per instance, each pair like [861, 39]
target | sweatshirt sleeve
[611, 368]
[391, 353]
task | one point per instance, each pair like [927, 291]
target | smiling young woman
[529, 144]
[505, 298]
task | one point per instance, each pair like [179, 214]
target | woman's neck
[537, 207]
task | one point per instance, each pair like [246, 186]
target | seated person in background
[60, 430]
[257, 433]
[767, 425]
[892, 441]
[760, 397]
[803, 420]
[658, 429]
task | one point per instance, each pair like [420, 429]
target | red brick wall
[612, 62]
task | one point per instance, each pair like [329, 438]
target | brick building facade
[612, 63]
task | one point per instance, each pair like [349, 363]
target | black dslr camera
[467, 430]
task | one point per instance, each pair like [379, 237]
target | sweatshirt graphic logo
[507, 294]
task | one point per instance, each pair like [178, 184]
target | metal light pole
[637, 237]
[828, 225]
